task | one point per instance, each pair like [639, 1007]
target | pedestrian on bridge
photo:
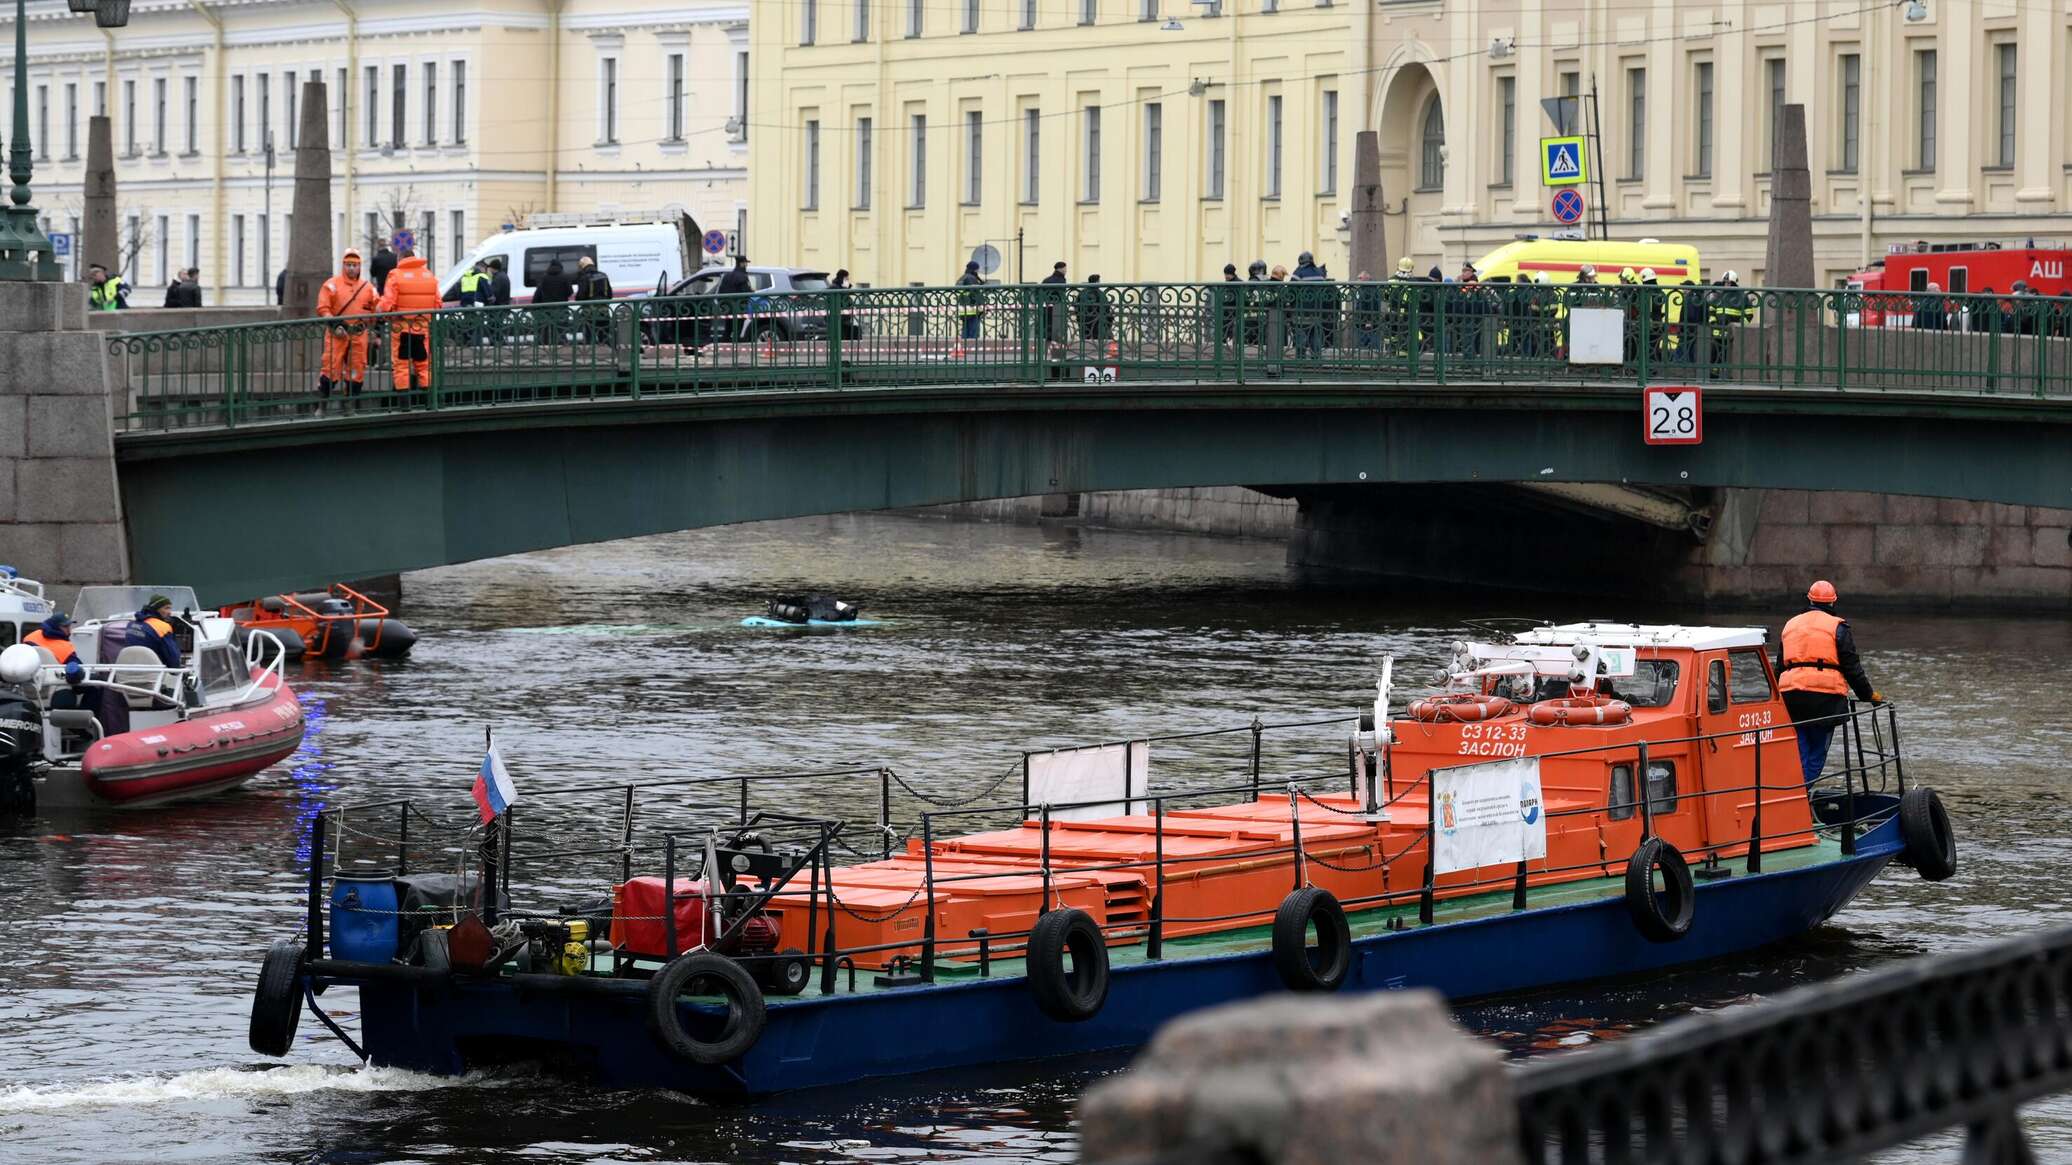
[344, 296]
[969, 306]
[1817, 668]
[411, 288]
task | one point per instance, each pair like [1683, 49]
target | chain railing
[1253, 333]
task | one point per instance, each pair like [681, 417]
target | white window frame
[71, 121]
[674, 72]
[609, 86]
[1154, 151]
[429, 75]
[370, 118]
[290, 91]
[1217, 127]
[1276, 141]
[917, 160]
[457, 77]
[1090, 154]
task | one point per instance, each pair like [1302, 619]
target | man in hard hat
[1817, 668]
[411, 288]
[343, 296]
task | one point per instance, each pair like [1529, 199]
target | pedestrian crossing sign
[1562, 161]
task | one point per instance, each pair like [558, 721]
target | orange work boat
[338, 623]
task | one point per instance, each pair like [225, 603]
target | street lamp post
[25, 251]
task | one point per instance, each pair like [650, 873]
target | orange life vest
[61, 648]
[412, 287]
[1812, 660]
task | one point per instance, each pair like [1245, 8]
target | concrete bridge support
[60, 517]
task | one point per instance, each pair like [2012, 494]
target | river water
[128, 943]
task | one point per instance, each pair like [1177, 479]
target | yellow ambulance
[1522, 260]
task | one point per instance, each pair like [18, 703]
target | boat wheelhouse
[1612, 798]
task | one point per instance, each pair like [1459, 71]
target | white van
[638, 257]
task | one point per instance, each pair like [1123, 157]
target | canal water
[128, 943]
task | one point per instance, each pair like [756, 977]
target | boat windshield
[1652, 685]
[98, 603]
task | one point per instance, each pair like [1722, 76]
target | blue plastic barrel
[363, 920]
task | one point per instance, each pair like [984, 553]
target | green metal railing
[1037, 335]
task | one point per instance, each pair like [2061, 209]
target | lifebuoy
[277, 1000]
[1574, 710]
[1464, 707]
[1301, 966]
[1068, 996]
[1931, 847]
[705, 973]
[1662, 916]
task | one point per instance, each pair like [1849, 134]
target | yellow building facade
[450, 120]
[1229, 137]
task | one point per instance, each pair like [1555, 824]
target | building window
[1702, 91]
[1154, 150]
[1028, 14]
[1147, 9]
[1217, 137]
[741, 95]
[1572, 103]
[193, 241]
[812, 199]
[100, 99]
[264, 129]
[914, 17]
[1269, 5]
[237, 115]
[1852, 110]
[1273, 146]
[265, 248]
[675, 116]
[863, 21]
[1507, 127]
[917, 178]
[399, 101]
[1636, 123]
[72, 121]
[372, 118]
[1330, 143]
[237, 250]
[341, 98]
[159, 140]
[374, 237]
[460, 102]
[809, 21]
[974, 156]
[165, 248]
[43, 121]
[863, 163]
[1032, 155]
[431, 103]
[129, 119]
[1091, 119]
[459, 219]
[1431, 170]
[2004, 55]
[288, 91]
[1773, 73]
[190, 96]
[1088, 11]
[428, 240]
[970, 16]
[608, 101]
[1924, 99]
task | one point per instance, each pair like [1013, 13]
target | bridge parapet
[1410, 332]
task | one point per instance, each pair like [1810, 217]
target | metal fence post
[1755, 831]
[928, 874]
[1647, 800]
[831, 328]
[313, 935]
[1154, 942]
[634, 334]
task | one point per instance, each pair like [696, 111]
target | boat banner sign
[1121, 771]
[1487, 814]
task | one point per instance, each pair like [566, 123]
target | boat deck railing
[552, 877]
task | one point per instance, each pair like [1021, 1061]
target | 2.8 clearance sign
[1672, 414]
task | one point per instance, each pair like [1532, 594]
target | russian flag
[494, 791]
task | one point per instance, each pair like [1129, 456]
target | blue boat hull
[766, 621]
[813, 1041]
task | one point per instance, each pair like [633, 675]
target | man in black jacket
[378, 270]
[553, 286]
[499, 284]
[1051, 328]
[185, 290]
[737, 282]
[594, 286]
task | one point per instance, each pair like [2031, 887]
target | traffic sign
[715, 242]
[403, 240]
[1672, 414]
[1568, 205]
[1563, 161]
[60, 244]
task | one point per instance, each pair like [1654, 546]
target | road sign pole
[1597, 160]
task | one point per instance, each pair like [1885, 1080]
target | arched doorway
[1413, 162]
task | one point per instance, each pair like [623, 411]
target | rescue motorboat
[126, 730]
[337, 623]
[1613, 799]
[815, 610]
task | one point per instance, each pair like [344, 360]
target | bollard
[1379, 1079]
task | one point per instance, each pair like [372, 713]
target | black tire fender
[788, 972]
[1306, 968]
[277, 999]
[1068, 996]
[703, 972]
[1666, 916]
[1931, 846]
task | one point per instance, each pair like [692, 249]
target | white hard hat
[1733, 277]
[1541, 277]
[1647, 272]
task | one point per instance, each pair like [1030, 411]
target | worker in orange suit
[1817, 669]
[411, 288]
[344, 295]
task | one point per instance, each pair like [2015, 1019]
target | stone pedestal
[1378, 1079]
[310, 260]
[1788, 256]
[60, 514]
[1370, 246]
[99, 241]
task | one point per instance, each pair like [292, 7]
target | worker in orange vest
[345, 294]
[55, 636]
[1817, 668]
[411, 288]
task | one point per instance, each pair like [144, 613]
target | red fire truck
[1956, 268]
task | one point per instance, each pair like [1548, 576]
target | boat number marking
[1492, 740]
[226, 726]
[154, 740]
[1761, 720]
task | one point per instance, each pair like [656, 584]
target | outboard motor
[335, 636]
[21, 732]
[814, 608]
[790, 609]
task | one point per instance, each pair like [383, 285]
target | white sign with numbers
[1672, 415]
[1099, 375]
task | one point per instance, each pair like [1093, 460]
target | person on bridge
[384, 262]
[152, 627]
[970, 307]
[344, 295]
[499, 284]
[411, 288]
[1817, 668]
[105, 292]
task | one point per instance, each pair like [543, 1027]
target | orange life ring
[1575, 710]
[1465, 707]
